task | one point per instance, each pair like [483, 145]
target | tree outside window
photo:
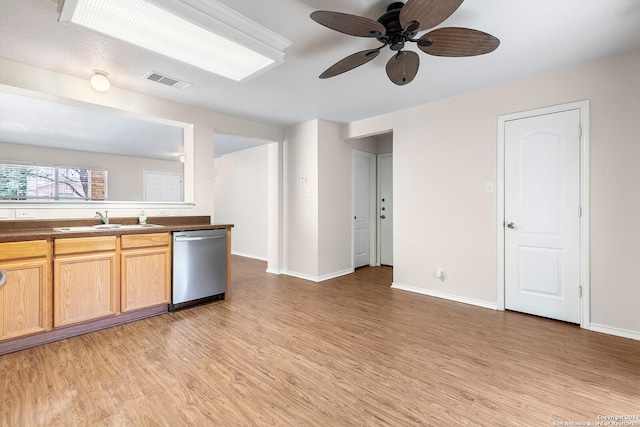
[39, 182]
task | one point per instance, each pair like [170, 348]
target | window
[41, 182]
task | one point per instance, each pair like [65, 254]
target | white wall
[445, 151]
[300, 200]
[240, 194]
[335, 200]
[13, 74]
[384, 143]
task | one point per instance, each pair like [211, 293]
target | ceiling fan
[399, 26]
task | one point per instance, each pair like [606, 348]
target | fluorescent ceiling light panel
[146, 25]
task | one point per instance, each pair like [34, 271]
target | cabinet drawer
[131, 241]
[84, 245]
[21, 250]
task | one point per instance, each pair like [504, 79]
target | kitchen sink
[106, 227]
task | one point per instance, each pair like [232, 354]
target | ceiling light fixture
[99, 81]
[205, 34]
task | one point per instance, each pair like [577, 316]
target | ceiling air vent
[165, 80]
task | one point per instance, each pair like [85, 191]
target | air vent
[166, 80]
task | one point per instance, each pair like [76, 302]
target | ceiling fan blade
[349, 24]
[428, 13]
[403, 67]
[350, 62]
[454, 41]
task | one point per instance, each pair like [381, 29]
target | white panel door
[542, 219]
[361, 209]
[385, 203]
[162, 187]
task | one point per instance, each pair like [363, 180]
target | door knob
[511, 225]
[382, 216]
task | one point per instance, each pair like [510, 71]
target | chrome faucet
[104, 218]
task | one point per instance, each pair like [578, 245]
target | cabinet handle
[3, 278]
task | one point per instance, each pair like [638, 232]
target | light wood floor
[350, 351]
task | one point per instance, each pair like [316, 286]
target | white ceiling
[537, 36]
[225, 144]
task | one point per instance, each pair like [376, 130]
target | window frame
[52, 173]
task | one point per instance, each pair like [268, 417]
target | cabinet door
[145, 278]
[24, 299]
[84, 288]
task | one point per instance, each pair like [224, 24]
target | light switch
[303, 179]
[488, 187]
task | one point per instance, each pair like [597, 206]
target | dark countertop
[24, 230]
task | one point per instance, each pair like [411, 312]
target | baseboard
[336, 274]
[273, 271]
[442, 295]
[634, 335]
[245, 255]
[317, 279]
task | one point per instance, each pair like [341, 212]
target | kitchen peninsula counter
[24, 230]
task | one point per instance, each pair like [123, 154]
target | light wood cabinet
[85, 279]
[145, 262]
[25, 298]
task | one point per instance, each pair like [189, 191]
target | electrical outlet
[163, 212]
[179, 212]
[25, 213]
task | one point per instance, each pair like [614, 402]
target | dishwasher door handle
[193, 239]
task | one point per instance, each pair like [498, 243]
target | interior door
[385, 203]
[162, 187]
[361, 209]
[542, 215]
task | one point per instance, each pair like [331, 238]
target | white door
[162, 187]
[542, 215]
[362, 208]
[385, 204]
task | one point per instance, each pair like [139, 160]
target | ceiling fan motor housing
[395, 36]
[395, 5]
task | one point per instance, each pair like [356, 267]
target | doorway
[246, 194]
[542, 224]
[372, 169]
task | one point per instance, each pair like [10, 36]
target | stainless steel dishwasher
[199, 267]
